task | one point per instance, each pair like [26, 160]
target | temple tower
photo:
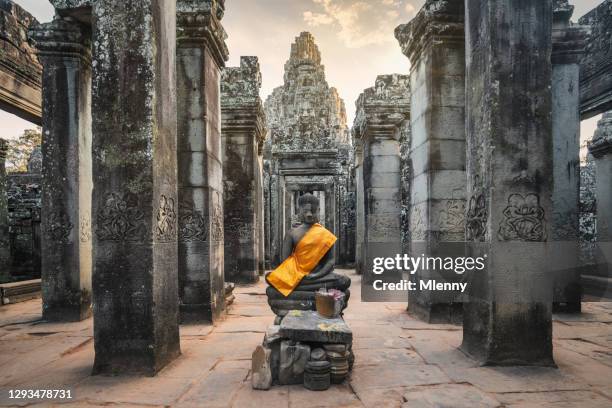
[310, 150]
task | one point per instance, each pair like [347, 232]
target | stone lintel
[199, 23]
[439, 20]
[382, 108]
[381, 124]
[77, 9]
[64, 36]
[569, 44]
[20, 70]
[300, 154]
[247, 118]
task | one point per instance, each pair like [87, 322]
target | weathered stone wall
[380, 125]
[64, 48]
[201, 54]
[595, 78]
[568, 47]
[20, 70]
[601, 149]
[243, 133]
[434, 42]
[508, 317]
[24, 208]
[588, 215]
[135, 186]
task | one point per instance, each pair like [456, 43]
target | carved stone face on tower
[305, 113]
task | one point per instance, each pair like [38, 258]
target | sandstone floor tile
[132, 390]
[384, 356]
[381, 342]
[217, 389]
[583, 369]
[515, 379]
[26, 364]
[555, 399]
[381, 397]
[455, 395]
[247, 397]
[338, 395]
[396, 375]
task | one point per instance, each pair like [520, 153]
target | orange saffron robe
[305, 257]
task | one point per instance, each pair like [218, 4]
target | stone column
[381, 111]
[64, 49]
[261, 235]
[201, 53]
[266, 220]
[434, 41]
[243, 130]
[359, 205]
[507, 319]
[135, 194]
[5, 245]
[601, 149]
[568, 46]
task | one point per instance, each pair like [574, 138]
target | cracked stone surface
[399, 362]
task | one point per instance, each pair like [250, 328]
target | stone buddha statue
[308, 264]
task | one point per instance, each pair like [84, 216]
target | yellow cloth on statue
[305, 257]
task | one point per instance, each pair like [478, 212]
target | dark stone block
[309, 326]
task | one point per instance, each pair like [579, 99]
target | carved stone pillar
[64, 49]
[601, 149]
[568, 47]
[5, 248]
[201, 53]
[260, 218]
[381, 111]
[359, 205]
[243, 130]
[135, 187]
[434, 41]
[507, 319]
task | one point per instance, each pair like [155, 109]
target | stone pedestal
[507, 319]
[301, 339]
[243, 130]
[381, 110]
[601, 149]
[5, 246]
[135, 188]
[201, 53]
[434, 41]
[64, 49]
[568, 46]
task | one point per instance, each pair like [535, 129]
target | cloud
[317, 19]
[359, 22]
[410, 9]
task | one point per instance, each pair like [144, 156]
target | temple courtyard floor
[400, 362]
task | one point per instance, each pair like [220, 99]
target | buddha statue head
[308, 209]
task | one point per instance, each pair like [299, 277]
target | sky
[355, 38]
